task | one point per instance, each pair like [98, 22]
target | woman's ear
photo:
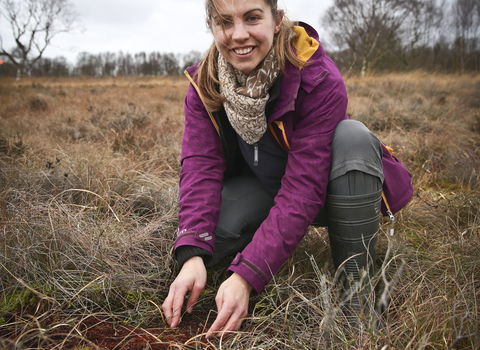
[278, 21]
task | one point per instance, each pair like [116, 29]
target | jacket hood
[307, 43]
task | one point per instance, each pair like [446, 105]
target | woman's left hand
[232, 304]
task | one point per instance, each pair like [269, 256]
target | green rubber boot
[353, 223]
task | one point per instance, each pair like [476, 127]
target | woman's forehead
[231, 7]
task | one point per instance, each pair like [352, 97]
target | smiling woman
[267, 151]
[244, 33]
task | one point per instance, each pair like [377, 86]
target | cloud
[116, 12]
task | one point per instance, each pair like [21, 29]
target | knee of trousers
[354, 147]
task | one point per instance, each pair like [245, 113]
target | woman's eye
[226, 22]
[252, 18]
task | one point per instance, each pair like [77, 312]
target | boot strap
[389, 213]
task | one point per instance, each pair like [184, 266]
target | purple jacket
[312, 101]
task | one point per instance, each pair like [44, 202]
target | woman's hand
[192, 278]
[232, 304]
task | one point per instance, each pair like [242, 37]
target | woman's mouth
[243, 51]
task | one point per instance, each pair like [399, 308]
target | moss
[18, 299]
[134, 297]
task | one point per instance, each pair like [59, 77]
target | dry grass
[88, 209]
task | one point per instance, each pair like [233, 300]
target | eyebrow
[246, 13]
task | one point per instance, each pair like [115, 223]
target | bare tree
[466, 21]
[170, 64]
[54, 67]
[424, 22]
[108, 63]
[422, 29]
[366, 26]
[34, 23]
[191, 58]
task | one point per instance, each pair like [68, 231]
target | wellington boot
[353, 223]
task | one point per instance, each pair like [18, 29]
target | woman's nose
[240, 32]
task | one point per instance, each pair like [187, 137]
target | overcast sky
[150, 25]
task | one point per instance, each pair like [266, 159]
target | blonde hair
[207, 72]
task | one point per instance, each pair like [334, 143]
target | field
[88, 215]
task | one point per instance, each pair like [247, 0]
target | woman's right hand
[192, 278]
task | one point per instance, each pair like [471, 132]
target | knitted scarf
[246, 96]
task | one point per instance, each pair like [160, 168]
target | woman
[268, 150]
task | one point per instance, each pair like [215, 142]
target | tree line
[434, 35]
[108, 64]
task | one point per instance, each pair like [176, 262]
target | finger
[234, 322]
[177, 306]
[168, 305]
[192, 299]
[236, 319]
[221, 320]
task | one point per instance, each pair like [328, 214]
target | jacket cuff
[195, 238]
[250, 272]
[185, 252]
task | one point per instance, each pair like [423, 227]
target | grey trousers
[356, 169]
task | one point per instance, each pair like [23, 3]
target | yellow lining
[280, 126]
[305, 45]
[274, 135]
[385, 201]
[389, 149]
[199, 93]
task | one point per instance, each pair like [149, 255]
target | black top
[272, 162]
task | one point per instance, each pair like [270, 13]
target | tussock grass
[88, 216]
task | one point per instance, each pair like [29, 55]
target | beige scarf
[246, 96]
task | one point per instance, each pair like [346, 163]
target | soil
[96, 332]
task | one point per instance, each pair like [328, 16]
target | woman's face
[247, 33]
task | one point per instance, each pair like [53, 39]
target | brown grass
[88, 209]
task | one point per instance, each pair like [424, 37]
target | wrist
[194, 261]
[245, 283]
[185, 252]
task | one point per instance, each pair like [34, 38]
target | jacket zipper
[255, 154]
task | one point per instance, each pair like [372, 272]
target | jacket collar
[308, 48]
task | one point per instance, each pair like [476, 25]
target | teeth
[243, 51]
